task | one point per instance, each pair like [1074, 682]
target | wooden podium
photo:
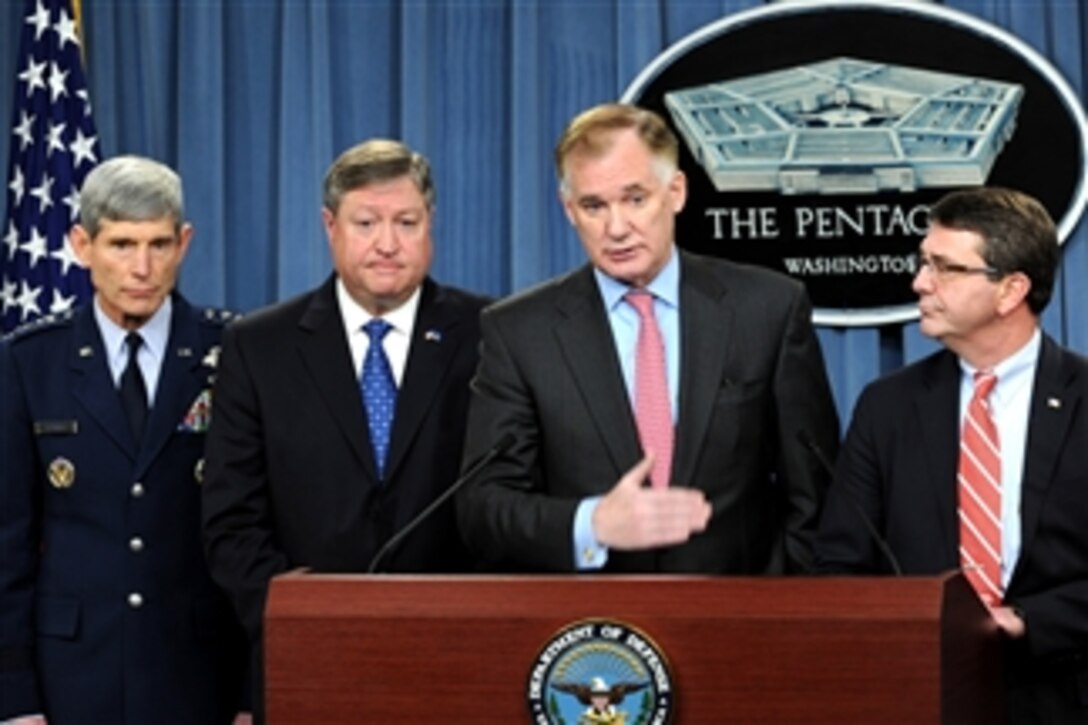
[429, 649]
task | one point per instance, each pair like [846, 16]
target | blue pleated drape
[252, 99]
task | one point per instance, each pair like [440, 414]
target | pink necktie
[980, 494]
[653, 411]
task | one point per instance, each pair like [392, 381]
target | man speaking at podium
[975, 457]
[654, 397]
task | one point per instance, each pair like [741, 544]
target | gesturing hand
[631, 516]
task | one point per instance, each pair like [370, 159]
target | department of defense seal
[599, 671]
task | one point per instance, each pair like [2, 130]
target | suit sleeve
[20, 534]
[843, 546]
[1055, 618]
[238, 530]
[804, 407]
[505, 514]
[1050, 582]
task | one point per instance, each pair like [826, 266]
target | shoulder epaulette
[218, 316]
[41, 324]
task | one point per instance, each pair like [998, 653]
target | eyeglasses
[942, 268]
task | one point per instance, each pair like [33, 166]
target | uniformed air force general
[107, 612]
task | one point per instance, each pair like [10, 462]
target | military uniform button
[136, 544]
[135, 600]
[137, 490]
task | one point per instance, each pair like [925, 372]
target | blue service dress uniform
[107, 612]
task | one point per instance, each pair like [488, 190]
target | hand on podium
[1010, 621]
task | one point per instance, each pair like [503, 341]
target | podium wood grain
[419, 649]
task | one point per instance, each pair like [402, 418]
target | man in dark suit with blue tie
[974, 457]
[647, 364]
[340, 414]
[107, 612]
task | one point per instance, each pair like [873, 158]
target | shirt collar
[665, 286]
[402, 319]
[155, 332]
[1011, 368]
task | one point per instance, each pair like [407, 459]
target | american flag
[54, 146]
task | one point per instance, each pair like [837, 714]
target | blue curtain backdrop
[252, 99]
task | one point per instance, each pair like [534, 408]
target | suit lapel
[92, 384]
[436, 338]
[182, 378]
[937, 411]
[588, 349]
[704, 305]
[326, 358]
[1054, 402]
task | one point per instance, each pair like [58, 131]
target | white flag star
[28, 299]
[58, 82]
[82, 147]
[40, 20]
[18, 185]
[65, 30]
[44, 193]
[66, 256]
[72, 201]
[33, 76]
[24, 132]
[36, 247]
[7, 294]
[53, 137]
[11, 239]
[60, 302]
[86, 98]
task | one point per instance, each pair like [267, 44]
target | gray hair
[131, 189]
[376, 161]
[592, 133]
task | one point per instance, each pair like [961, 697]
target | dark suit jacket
[751, 377]
[290, 476]
[899, 463]
[71, 644]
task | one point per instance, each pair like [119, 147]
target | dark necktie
[379, 392]
[133, 389]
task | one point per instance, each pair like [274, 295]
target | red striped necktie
[980, 494]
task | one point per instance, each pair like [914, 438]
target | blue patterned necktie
[379, 392]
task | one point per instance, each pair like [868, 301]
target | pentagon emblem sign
[815, 135]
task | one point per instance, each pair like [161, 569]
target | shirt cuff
[589, 553]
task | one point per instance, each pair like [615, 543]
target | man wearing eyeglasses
[975, 457]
